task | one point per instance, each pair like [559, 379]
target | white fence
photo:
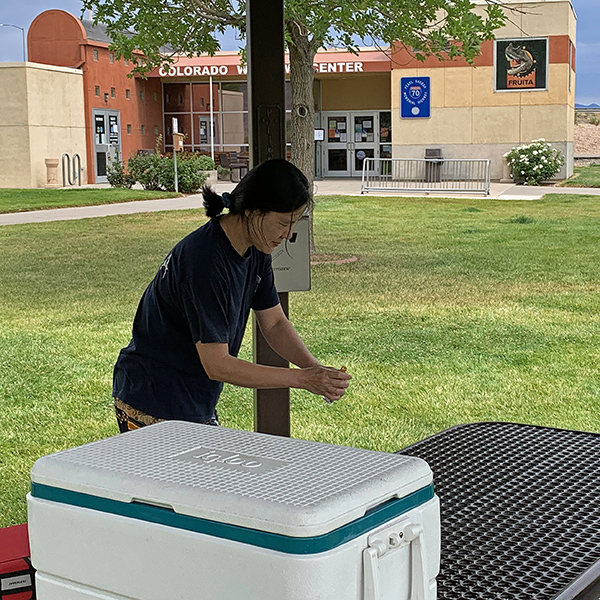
[426, 175]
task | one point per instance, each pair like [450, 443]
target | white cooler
[180, 511]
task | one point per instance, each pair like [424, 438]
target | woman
[191, 319]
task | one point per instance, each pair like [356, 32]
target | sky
[587, 90]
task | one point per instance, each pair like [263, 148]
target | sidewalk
[344, 187]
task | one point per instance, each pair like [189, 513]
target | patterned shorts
[130, 418]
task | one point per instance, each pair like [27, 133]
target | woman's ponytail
[213, 203]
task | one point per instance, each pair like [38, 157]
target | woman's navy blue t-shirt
[203, 291]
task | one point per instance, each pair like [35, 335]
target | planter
[212, 177]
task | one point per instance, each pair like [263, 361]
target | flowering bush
[190, 172]
[535, 162]
[156, 171]
[116, 176]
[147, 170]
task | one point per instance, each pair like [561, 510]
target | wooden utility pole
[266, 108]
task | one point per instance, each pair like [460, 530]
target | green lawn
[12, 200]
[457, 311]
[584, 177]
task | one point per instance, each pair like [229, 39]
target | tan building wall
[43, 117]
[469, 119]
[362, 92]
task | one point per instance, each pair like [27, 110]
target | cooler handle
[387, 541]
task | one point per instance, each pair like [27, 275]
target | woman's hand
[324, 381]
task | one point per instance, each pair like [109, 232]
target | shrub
[190, 174]
[535, 162]
[205, 163]
[146, 169]
[222, 172]
[116, 176]
[157, 171]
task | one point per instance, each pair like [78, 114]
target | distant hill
[594, 105]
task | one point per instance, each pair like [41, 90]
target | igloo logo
[231, 460]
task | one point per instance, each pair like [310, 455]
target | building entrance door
[337, 145]
[364, 145]
[350, 137]
[107, 140]
[208, 132]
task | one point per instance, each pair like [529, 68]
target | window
[143, 130]
[95, 54]
[111, 57]
[128, 128]
[234, 97]
[177, 97]
[156, 130]
[385, 127]
[113, 93]
[155, 97]
[97, 90]
[141, 95]
[126, 62]
[127, 94]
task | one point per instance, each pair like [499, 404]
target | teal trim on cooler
[263, 539]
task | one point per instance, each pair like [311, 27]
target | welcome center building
[74, 97]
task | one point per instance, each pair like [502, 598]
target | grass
[584, 177]
[12, 200]
[457, 311]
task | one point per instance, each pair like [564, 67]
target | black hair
[273, 186]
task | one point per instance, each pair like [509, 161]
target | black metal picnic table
[520, 508]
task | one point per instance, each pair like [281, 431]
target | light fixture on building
[106, 97]
[22, 34]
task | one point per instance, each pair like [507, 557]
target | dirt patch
[587, 139]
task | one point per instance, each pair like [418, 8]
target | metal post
[266, 106]
[174, 130]
[212, 121]
[175, 165]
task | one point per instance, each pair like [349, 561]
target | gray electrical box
[291, 260]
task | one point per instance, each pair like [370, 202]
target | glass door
[337, 159]
[208, 133]
[364, 140]
[107, 141]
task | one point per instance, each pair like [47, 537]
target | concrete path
[346, 187]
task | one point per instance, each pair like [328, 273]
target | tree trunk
[302, 78]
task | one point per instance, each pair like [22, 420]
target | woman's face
[268, 230]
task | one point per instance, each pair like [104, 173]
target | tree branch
[208, 10]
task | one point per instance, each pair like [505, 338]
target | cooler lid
[268, 483]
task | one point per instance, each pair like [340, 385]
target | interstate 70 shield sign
[415, 98]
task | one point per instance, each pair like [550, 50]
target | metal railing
[426, 175]
[66, 169]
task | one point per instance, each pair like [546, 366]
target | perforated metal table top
[520, 509]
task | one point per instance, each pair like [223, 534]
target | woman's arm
[283, 338]
[314, 377]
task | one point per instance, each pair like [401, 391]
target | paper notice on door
[343, 137]
[358, 137]
[367, 124]
[341, 125]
